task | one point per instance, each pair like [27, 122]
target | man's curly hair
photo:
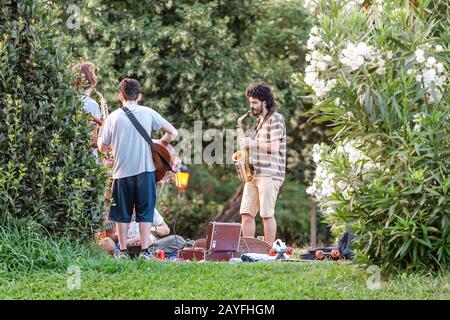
[262, 92]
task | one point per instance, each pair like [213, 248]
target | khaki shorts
[260, 194]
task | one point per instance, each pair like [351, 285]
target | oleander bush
[378, 71]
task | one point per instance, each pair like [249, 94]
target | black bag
[344, 246]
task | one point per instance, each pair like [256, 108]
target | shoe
[147, 254]
[122, 254]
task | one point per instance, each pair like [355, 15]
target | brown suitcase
[219, 255]
[197, 254]
[223, 236]
[221, 244]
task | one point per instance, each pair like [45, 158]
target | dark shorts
[134, 192]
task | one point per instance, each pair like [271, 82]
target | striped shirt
[270, 164]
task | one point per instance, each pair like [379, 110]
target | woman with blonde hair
[85, 81]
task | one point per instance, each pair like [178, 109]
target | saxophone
[107, 161]
[241, 158]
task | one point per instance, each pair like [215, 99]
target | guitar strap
[146, 137]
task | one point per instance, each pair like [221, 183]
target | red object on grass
[160, 254]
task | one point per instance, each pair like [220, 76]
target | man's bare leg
[248, 225]
[145, 231]
[270, 229]
[122, 228]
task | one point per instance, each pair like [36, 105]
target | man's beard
[256, 113]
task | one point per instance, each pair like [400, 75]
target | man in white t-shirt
[133, 170]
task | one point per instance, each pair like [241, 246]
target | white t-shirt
[91, 106]
[132, 154]
[133, 230]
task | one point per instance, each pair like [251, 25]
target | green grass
[106, 278]
[33, 266]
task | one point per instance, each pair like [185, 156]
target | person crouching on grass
[133, 171]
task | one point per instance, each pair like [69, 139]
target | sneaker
[122, 254]
[147, 254]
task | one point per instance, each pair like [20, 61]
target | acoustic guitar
[167, 152]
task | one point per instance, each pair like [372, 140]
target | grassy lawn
[106, 278]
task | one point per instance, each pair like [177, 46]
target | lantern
[182, 178]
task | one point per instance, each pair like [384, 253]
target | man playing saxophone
[267, 152]
[86, 80]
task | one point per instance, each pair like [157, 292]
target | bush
[378, 72]
[47, 173]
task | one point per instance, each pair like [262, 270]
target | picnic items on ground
[222, 243]
[342, 251]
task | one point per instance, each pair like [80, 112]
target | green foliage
[26, 246]
[386, 179]
[193, 58]
[47, 173]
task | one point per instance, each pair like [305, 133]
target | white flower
[381, 71]
[419, 56]
[331, 83]
[431, 61]
[363, 49]
[440, 81]
[439, 48]
[418, 117]
[416, 128]
[321, 65]
[317, 157]
[327, 58]
[410, 71]
[354, 56]
[389, 55]
[435, 96]
[316, 55]
[312, 42]
[429, 76]
[315, 30]
[311, 190]
[419, 78]
[310, 5]
[341, 185]
[440, 67]
[316, 152]
[311, 78]
[308, 57]
[337, 102]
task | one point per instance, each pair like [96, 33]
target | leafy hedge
[47, 172]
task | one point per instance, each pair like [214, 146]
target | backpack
[344, 246]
